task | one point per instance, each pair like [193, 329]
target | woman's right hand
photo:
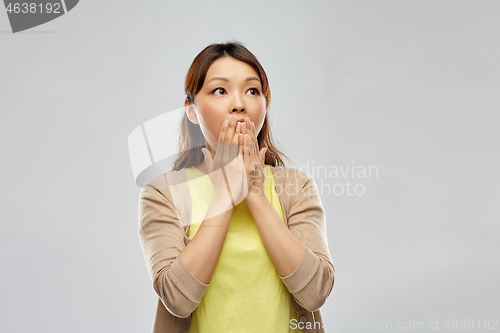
[229, 158]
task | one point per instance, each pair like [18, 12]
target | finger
[254, 156]
[240, 144]
[235, 141]
[220, 142]
[246, 139]
[241, 149]
[248, 131]
[253, 149]
[230, 129]
[237, 133]
[222, 133]
[241, 141]
[231, 150]
[252, 127]
[227, 151]
[246, 146]
[244, 128]
[223, 130]
[249, 127]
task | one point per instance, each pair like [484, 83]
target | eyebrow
[225, 79]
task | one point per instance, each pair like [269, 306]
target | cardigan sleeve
[162, 239]
[312, 282]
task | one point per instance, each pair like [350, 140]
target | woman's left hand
[254, 160]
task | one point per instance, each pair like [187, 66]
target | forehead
[230, 68]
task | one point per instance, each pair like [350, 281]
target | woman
[234, 240]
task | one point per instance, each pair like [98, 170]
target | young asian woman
[244, 247]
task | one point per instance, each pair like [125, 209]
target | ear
[190, 111]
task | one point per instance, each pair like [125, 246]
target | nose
[238, 104]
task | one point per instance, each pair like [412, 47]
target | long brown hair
[191, 138]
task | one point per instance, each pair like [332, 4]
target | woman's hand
[228, 159]
[254, 161]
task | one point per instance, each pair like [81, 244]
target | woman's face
[231, 88]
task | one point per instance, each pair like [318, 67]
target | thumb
[209, 164]
[263, 155]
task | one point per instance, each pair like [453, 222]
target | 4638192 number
[471, 324]
[26, 8]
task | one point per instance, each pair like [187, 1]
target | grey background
[408, 86]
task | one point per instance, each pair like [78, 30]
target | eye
[253, 91]
[218, 91]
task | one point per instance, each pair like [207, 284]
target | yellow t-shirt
[246, 293]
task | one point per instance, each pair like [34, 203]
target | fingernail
[233, 119]
[226, 122]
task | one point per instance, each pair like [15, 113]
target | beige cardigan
[164, 222]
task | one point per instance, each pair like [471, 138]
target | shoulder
[294, 184]
[291, 174]
[164, 183]
[163, 180]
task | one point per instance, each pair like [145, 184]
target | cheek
[261, 113]
[209, 131]
[261, 116]
[210, 121]
[257, 106]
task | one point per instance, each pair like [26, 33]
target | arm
[201, 254]
[285, 250]
[300, 255]
[162, 240]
